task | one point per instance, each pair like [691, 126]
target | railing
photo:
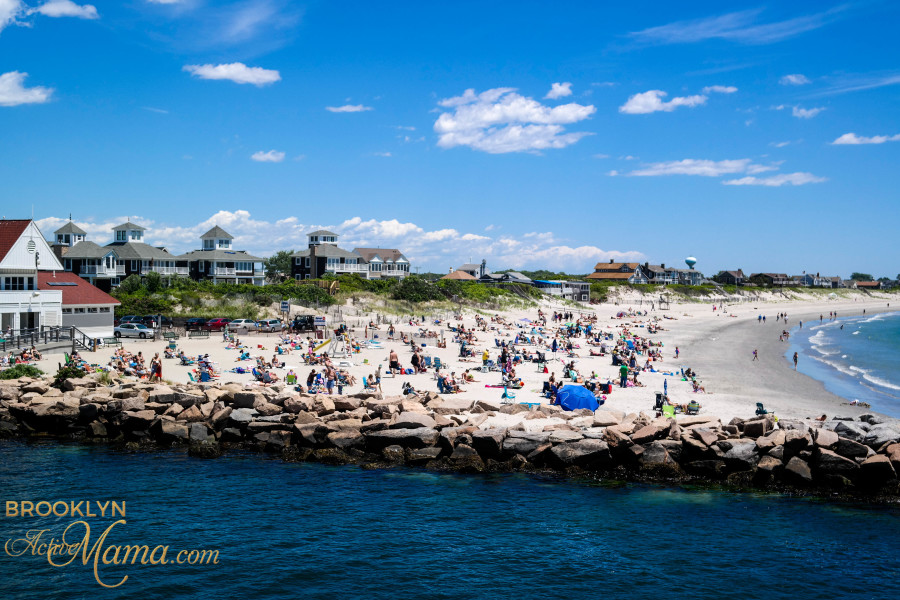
[182, 271]
[346, 268]
[163, 270]
[116, 271]
[394, 273]
[23, 338]
[224, 271]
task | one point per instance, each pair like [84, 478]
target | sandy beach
[716, 344]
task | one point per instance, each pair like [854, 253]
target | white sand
[717, 346]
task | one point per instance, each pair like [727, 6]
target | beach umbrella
[666, 387]
[572, 397]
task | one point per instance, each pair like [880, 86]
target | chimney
[610, 261]
[662, 265]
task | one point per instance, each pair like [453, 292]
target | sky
[761, 136]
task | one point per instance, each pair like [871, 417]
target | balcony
[102, 271]
[394, 273]
[346, 268]
[182, 271]
[11, 299]
[163, 270]
[224, 272]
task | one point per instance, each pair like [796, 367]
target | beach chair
[760, 409]
[437, 363]
[507, 397]
[427, 361]
[191, 377]
[442, 389]
[693, 408]
[668, 411]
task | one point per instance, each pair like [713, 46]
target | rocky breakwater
[850, 456]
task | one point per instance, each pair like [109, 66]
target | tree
[278, 264]
[130, 284]
[861, 277]
[153, 282]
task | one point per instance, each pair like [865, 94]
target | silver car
[244, 325]
[269, 325]
[138, 330]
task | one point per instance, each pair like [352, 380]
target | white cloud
[780, 144]
[800, 113]
[601, 155]
[348, 108]
[778, 180]
[559, 90]
[236, 72]
[66, 8]
[651, 101]
[740, 27]
[499, 121]
[794, 79]
[806, 113]
[165, 1]
[720, 89]
[701, 167]
[270, 156]
[156, 110]
[853, 139]
[405, 127]
[14, 93]
[382, 154]
[10, 10]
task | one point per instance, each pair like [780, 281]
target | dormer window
[135, 235]
[208, 245]
[314, 239]
[121, 236]
[224, 243]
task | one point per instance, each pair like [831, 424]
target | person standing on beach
[795, 361]
[755, 354]
[676, 352]
[623, 375]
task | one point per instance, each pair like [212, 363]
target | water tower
[690, 261]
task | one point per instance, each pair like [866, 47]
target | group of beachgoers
[126, 363]
[25, 356]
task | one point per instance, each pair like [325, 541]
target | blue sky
[532, 134]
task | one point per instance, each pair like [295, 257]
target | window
[243, 266]
[202, 266]
[307, 262]
[114, 281]
[135, 235]
[79, 311]
[92, 309]
[67, 264]
[134, 266]
[104, 309]
[67, 311]
[121, 237]
[224, 243]
[18, 283]
[307, 276]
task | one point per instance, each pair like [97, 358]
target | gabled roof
[321, 232]
[615, 265]
[129, 225]
[384, 254]
[75, 290]
[328, 251]
[87, 249]
[140, 251]
[461, 275]
[71, 227]
[10, 232]
[223, 255]
[469, 267]
[216, 233]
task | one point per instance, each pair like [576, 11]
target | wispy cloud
[10, 11]
[652, 101]
[348, 108]
[13, 91]
[743, 27]
[236, 72]
[156, 110]
[559, 90]
[800, 112]
[702, 167]
[794, 79]
[851, 139]
[858, 83]
[778, 180]
[720, 89]
[271, 156]
[66, 8]
[499, 121]
[382, 154]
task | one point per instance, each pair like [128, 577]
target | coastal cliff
[849, 456]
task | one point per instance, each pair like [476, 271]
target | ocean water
[857, 358]
[311, 531]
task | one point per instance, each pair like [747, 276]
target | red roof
[10, 231]
[81, 293]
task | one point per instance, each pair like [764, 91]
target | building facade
[217, 261]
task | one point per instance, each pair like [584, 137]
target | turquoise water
[857, 358]
[311, 531]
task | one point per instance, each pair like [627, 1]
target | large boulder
[879, 435]
[519, 442]
[825, 438]
[412, 420]
[850, 449]
[648, 433]
[488, 442]
[877, 469]
[656, 453]
[607, 418]
[419, 437]
[797, 470]
[323, 405]
[267, 409]
[453, 406]
[582, 453]
[248, 399]
[832, 463]
[191, 415]
[849, 430]
[187, 400]
[346, 403]
[742, 456]
[707, 436]
[297, 404]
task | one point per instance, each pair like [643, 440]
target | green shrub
[68, 372]
[21, 371]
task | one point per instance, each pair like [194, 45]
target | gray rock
[419, 437]
[248, 399]
[877, 469]
[741, 456]
[849, 430]
[879, 435]
[825, 438]
[518, 442]
[420, 456]
[563, 435]
[656, 454]
[241, 416]
[350, 438]
[267, 409]
[831, 463]
[199, 432]
[488, 442]
[412, 420]
[850, 449]
[583, 453]
[187, 400]
[797, 470]
[769, 464]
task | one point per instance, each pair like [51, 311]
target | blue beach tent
[576, 396]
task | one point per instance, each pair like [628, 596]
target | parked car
[195, 324]
[138, 330]
[303, 323]
[269, 325]
[150, 321]
[242, 325]
[128, 319]
[217, 324]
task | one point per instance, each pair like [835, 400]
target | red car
[216, 324]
